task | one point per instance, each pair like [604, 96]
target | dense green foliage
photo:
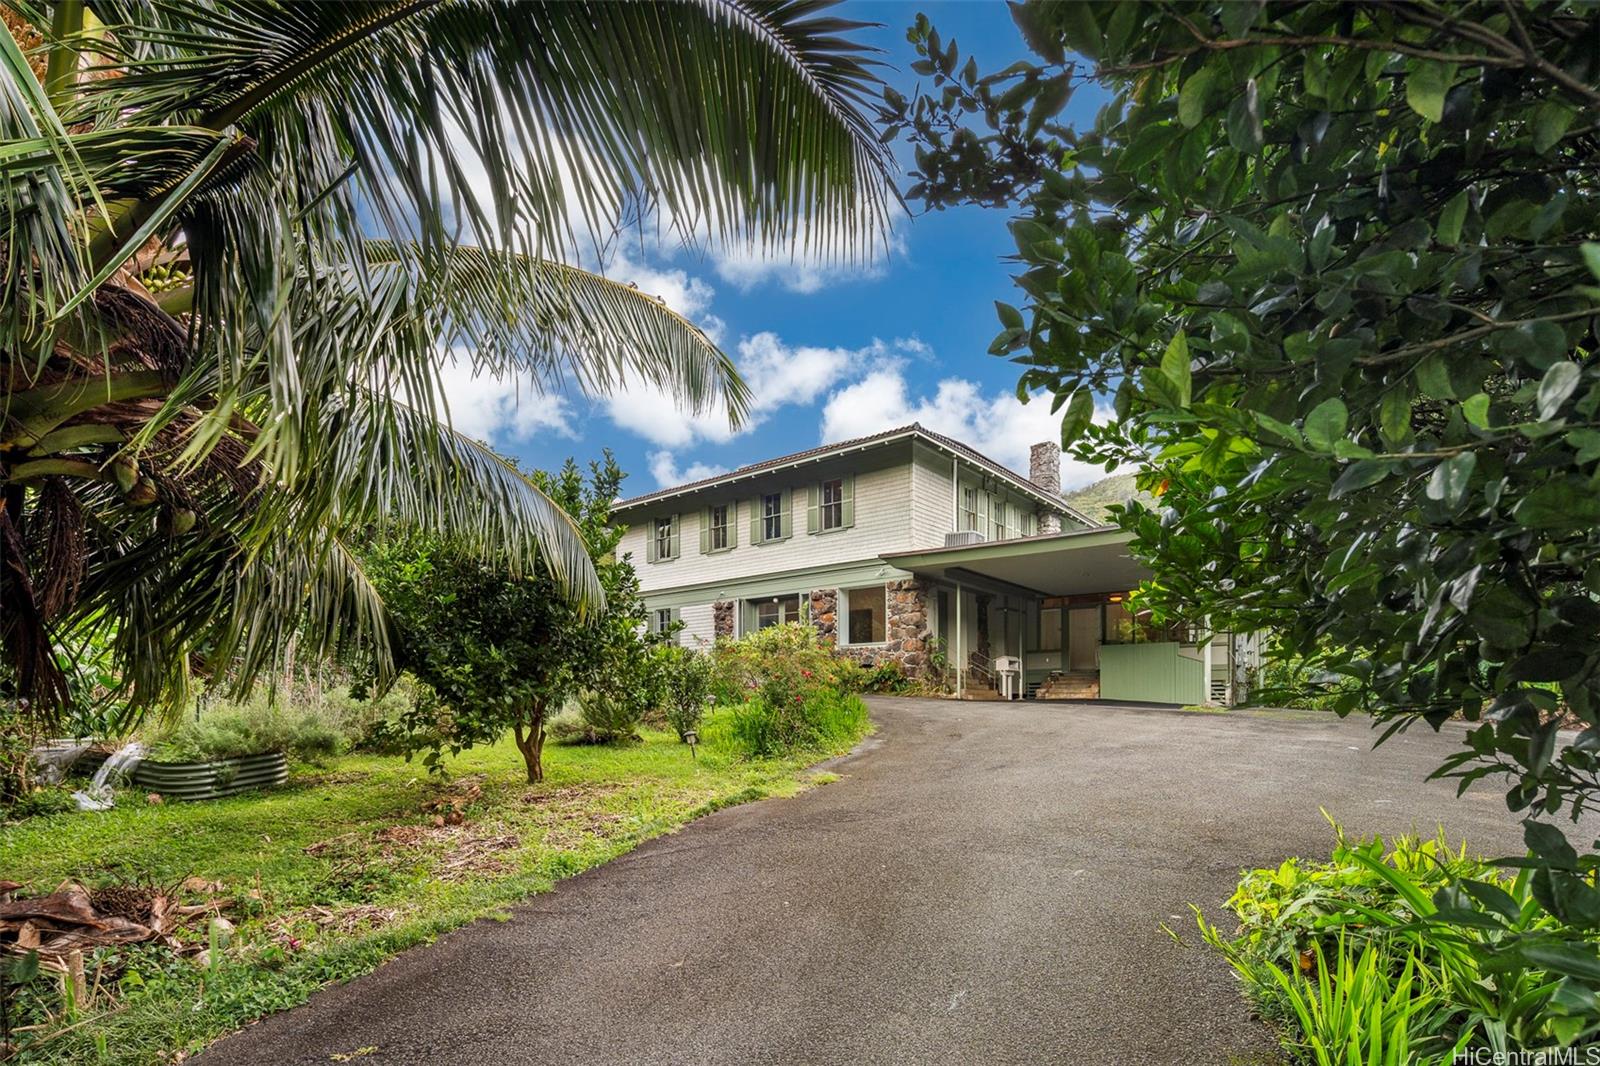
[248, 729]
[340, 869]
[1331, 264]
[499, 650]
[789, 690]
[236, 284]
[686, 678]
[1407, 953]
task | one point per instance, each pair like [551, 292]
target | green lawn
[344, 866]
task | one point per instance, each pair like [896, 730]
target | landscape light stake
[691, 737]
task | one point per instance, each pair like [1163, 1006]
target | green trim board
[841, 575]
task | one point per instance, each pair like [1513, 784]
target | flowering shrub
[779, 663]
[790, 691]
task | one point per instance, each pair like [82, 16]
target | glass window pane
[833, 504]
[772, 516]
[1119, 625]
[866, 615]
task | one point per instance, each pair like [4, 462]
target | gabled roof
[914, 431]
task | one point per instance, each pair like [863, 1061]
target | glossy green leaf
[1427, 82]
[1080, 411]
[1451, 479]
[1326, 424]
[1193, 97]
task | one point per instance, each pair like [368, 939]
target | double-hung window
[969, 509]
[663, 543]
[772, 516]
[720, 524]
[833, 504]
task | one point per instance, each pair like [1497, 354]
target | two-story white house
[910, 546]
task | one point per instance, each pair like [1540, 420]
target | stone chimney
[1044, 470]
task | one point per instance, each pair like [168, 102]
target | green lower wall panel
[1150, 673]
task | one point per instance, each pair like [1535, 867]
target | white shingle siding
[903, 500]
[698, 630]
[883, 499]
[932, 501]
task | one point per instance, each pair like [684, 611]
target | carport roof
[1058, 564]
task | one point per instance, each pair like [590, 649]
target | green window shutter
[814, 508]
[733, 523]
[672, 538]
[705, 530]
[755, 520]
[788, 514]
[650, 541]
[849, 508]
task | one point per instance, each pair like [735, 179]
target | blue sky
[830, 352]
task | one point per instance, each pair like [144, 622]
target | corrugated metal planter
[210, 780]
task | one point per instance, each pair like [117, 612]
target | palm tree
[240, 238]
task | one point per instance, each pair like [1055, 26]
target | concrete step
[1071, 687]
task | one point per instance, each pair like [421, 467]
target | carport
[1063, 604]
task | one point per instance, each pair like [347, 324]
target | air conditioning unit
[963, 538]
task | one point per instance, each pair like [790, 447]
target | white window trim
[842, 632]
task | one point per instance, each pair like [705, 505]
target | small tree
[502, 652]
[685, 688]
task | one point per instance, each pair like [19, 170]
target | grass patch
[331, 874]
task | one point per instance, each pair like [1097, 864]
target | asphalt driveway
[985, 884]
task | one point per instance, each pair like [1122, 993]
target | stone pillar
[906, 627]
[722, 619]
[825, 614]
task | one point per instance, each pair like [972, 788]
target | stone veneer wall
[825, 614]
[907, 636]
[722, 619]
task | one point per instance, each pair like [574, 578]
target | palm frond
[526, 121]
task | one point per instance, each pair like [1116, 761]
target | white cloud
[997, 424]
[664, 468]
[806, 268]
[777, 375]
[497, 409]
[678, 289]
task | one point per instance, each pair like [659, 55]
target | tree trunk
[528, 729]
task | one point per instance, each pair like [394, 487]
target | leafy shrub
[1325, 948]
[789, 691]
[887, 676]
[231, 730]
[606, 716]
[778, 662]
[685, 679]
[824, 718]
